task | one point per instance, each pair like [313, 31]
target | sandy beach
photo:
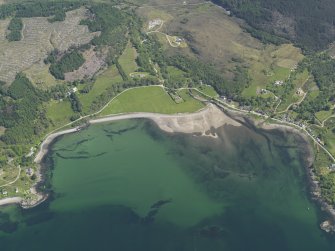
[201, 122]
[48, 140]
[198, 122]
[13, 200]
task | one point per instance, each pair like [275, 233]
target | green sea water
[129, 186]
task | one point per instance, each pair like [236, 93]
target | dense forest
[309, 23]
[113, 25]
[22, 113]
[67, 63]
[39, 9]
[15, 28]
[58, 16]
[75, 102]
[202, 73]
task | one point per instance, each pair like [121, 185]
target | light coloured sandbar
[198, 122]
[13, 200]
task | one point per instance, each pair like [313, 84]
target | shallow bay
[129, 186]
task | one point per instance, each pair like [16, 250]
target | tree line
[15, 29]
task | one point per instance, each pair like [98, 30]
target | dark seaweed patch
[160, 203]
[74, 145]
[39, 218]
[6, 225]
[154, 209]
[80, 156]
[121, 131]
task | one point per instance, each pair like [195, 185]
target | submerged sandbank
[201, 123]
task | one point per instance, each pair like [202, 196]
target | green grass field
[10, 175]
[279, 73]
[312, 95]
[312, 92]
[330, 135]
[301, 79]
[127, 59]
[273, 63]
[250, 91]
[151, 99]
[260, 79]
[285, 103]
[104, 80]
[39, 75]
[322, 115]
[2, 130]
[175, 72]
[267, 95]
[330, 142]
[287, 55]
[208, 90]
[59, 112]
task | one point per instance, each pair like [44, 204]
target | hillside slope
[309, 23]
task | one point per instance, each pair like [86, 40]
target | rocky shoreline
[308, 159]
[329, 224]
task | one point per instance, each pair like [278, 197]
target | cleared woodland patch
[39, 37]
[94, 61]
